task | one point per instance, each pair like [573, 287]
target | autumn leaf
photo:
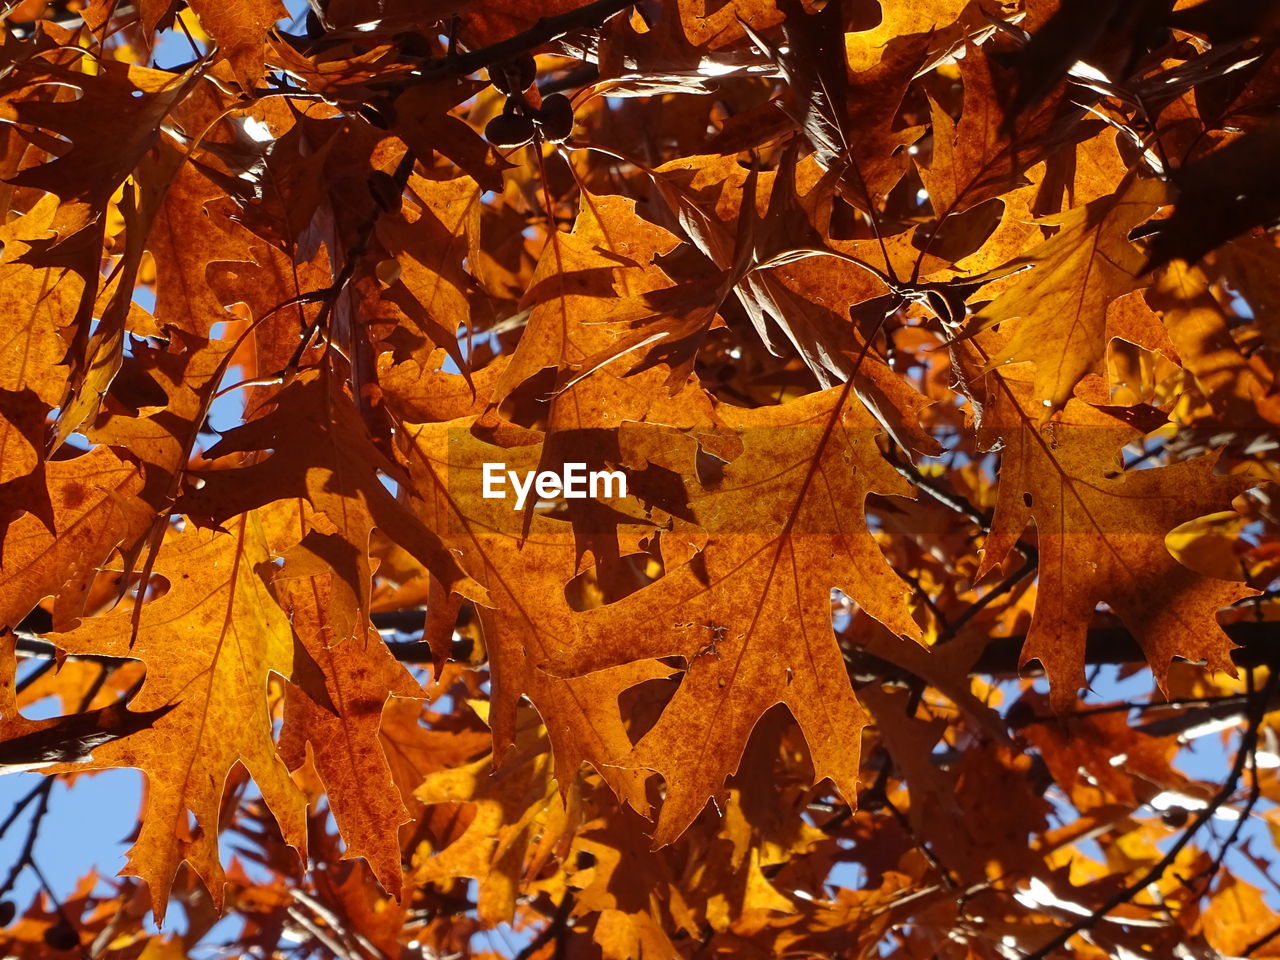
[897, 347]
[209, 645]
[1101, 537]
[41, 301]
[514, 806]
[525, 574]
[1238, 386]
[122, 105]
[239, 29]
[978, 159]
[97, 508]
[1220, 197]
[1057, 308]
[335, 703]
[752, 630]
[574, 284]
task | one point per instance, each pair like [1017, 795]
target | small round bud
[509, 130]
[556, 117]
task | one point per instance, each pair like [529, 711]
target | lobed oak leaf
[955, 807]
[742, 888]
[719, 25]
[239, 28]
[491, 22]
[1220, 196]
[1239, 388]
[423, 121]
[154, 15]
[853, 919]
[525, 574]
[1101, 538]
[865, 48]
[632, 907]
[1101, 761]
[1252, 266]
[1058, 305]
[1238, 921]
[1102, 35]
[979, 159]
[424, 392]
[162, 436]
[587, 285]
[418, 741]
[776, 265]
[751, 614]
[185, 239]
[621, 935]
[96, 357]
[702, 192]
[759, 199]
[339, 713]
[814, 63]
[39, 302]
[209, 645]
[120, 104]
[665, 51]
[609, 253]
[431, 286]
[276, 291]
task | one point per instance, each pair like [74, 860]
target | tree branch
[546, 30]
[553, 930]
[1248, 743]
[1258, 645]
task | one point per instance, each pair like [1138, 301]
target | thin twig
[310, 926]
[948, 498]
[948, 879]
[961, 505]
[58, 907]
[1255, 791]
[330, 295]
[999, 590]
[1247, 745]
[1258, 645]
[42, 791]
[1261, 942]
[1127, 706]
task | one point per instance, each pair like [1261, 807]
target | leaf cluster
[937, 344]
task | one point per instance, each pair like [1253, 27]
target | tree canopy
[929, 352]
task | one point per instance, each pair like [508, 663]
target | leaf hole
[644, 703]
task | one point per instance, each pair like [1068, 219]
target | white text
[575, 483]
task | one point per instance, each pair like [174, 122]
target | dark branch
[1258, 645]
[553, 930]
[546, 30]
